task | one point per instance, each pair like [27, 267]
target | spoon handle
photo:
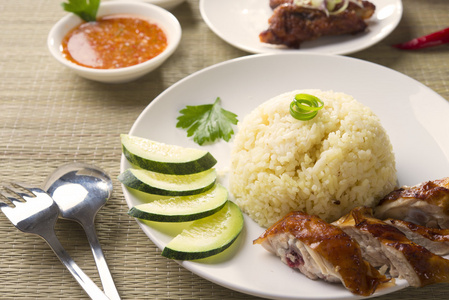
[103, 270]
[84, 281]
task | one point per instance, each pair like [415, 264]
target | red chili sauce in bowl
[114, 41]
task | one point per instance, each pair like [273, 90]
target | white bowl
[155, 14]
[167, 4]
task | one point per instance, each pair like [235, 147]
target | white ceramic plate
[414, 116]
[239, 23]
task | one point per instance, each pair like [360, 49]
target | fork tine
[5, 208]
[33, 190]
[29, 189]
[10, 199]
[11, 189]
[3, 204]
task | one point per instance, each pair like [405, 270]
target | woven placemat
[49, 117]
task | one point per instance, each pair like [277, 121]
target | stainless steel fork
[37, 214]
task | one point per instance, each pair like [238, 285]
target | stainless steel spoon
[80, 190]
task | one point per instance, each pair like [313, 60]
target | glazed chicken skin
[385, 245]
[320, 250]
[425, 204]
[435, 240]
[291, 25]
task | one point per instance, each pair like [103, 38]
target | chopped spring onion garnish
[305, 107]
[328, 6]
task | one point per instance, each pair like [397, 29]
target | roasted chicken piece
[385, 245]
[425, 204]
[276, 3]
[320, 250]
[291, 24]
[435, 240]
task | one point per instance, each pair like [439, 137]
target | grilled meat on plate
[320, 250]
[425, 204]
[291, 24]
[435, 240]
[383, 244]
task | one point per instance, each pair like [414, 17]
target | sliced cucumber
[168, 185]
[207, 236]
[183, 208]
[163, 158]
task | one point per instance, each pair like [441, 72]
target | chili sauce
[114, 41]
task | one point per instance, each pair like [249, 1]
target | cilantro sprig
[207, 123]
[85, 9]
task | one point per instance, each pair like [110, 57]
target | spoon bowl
[80, 191]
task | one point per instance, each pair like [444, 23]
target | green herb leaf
[305, 107]
[85, 9]
[207, 122]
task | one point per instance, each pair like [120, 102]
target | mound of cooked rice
[340, 159]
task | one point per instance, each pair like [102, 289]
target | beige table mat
[49, 116]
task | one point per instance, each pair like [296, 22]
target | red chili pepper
[430, 40]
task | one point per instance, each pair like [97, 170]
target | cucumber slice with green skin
[168, 185]
[184, 208]
[207, 236]
[163, 158]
